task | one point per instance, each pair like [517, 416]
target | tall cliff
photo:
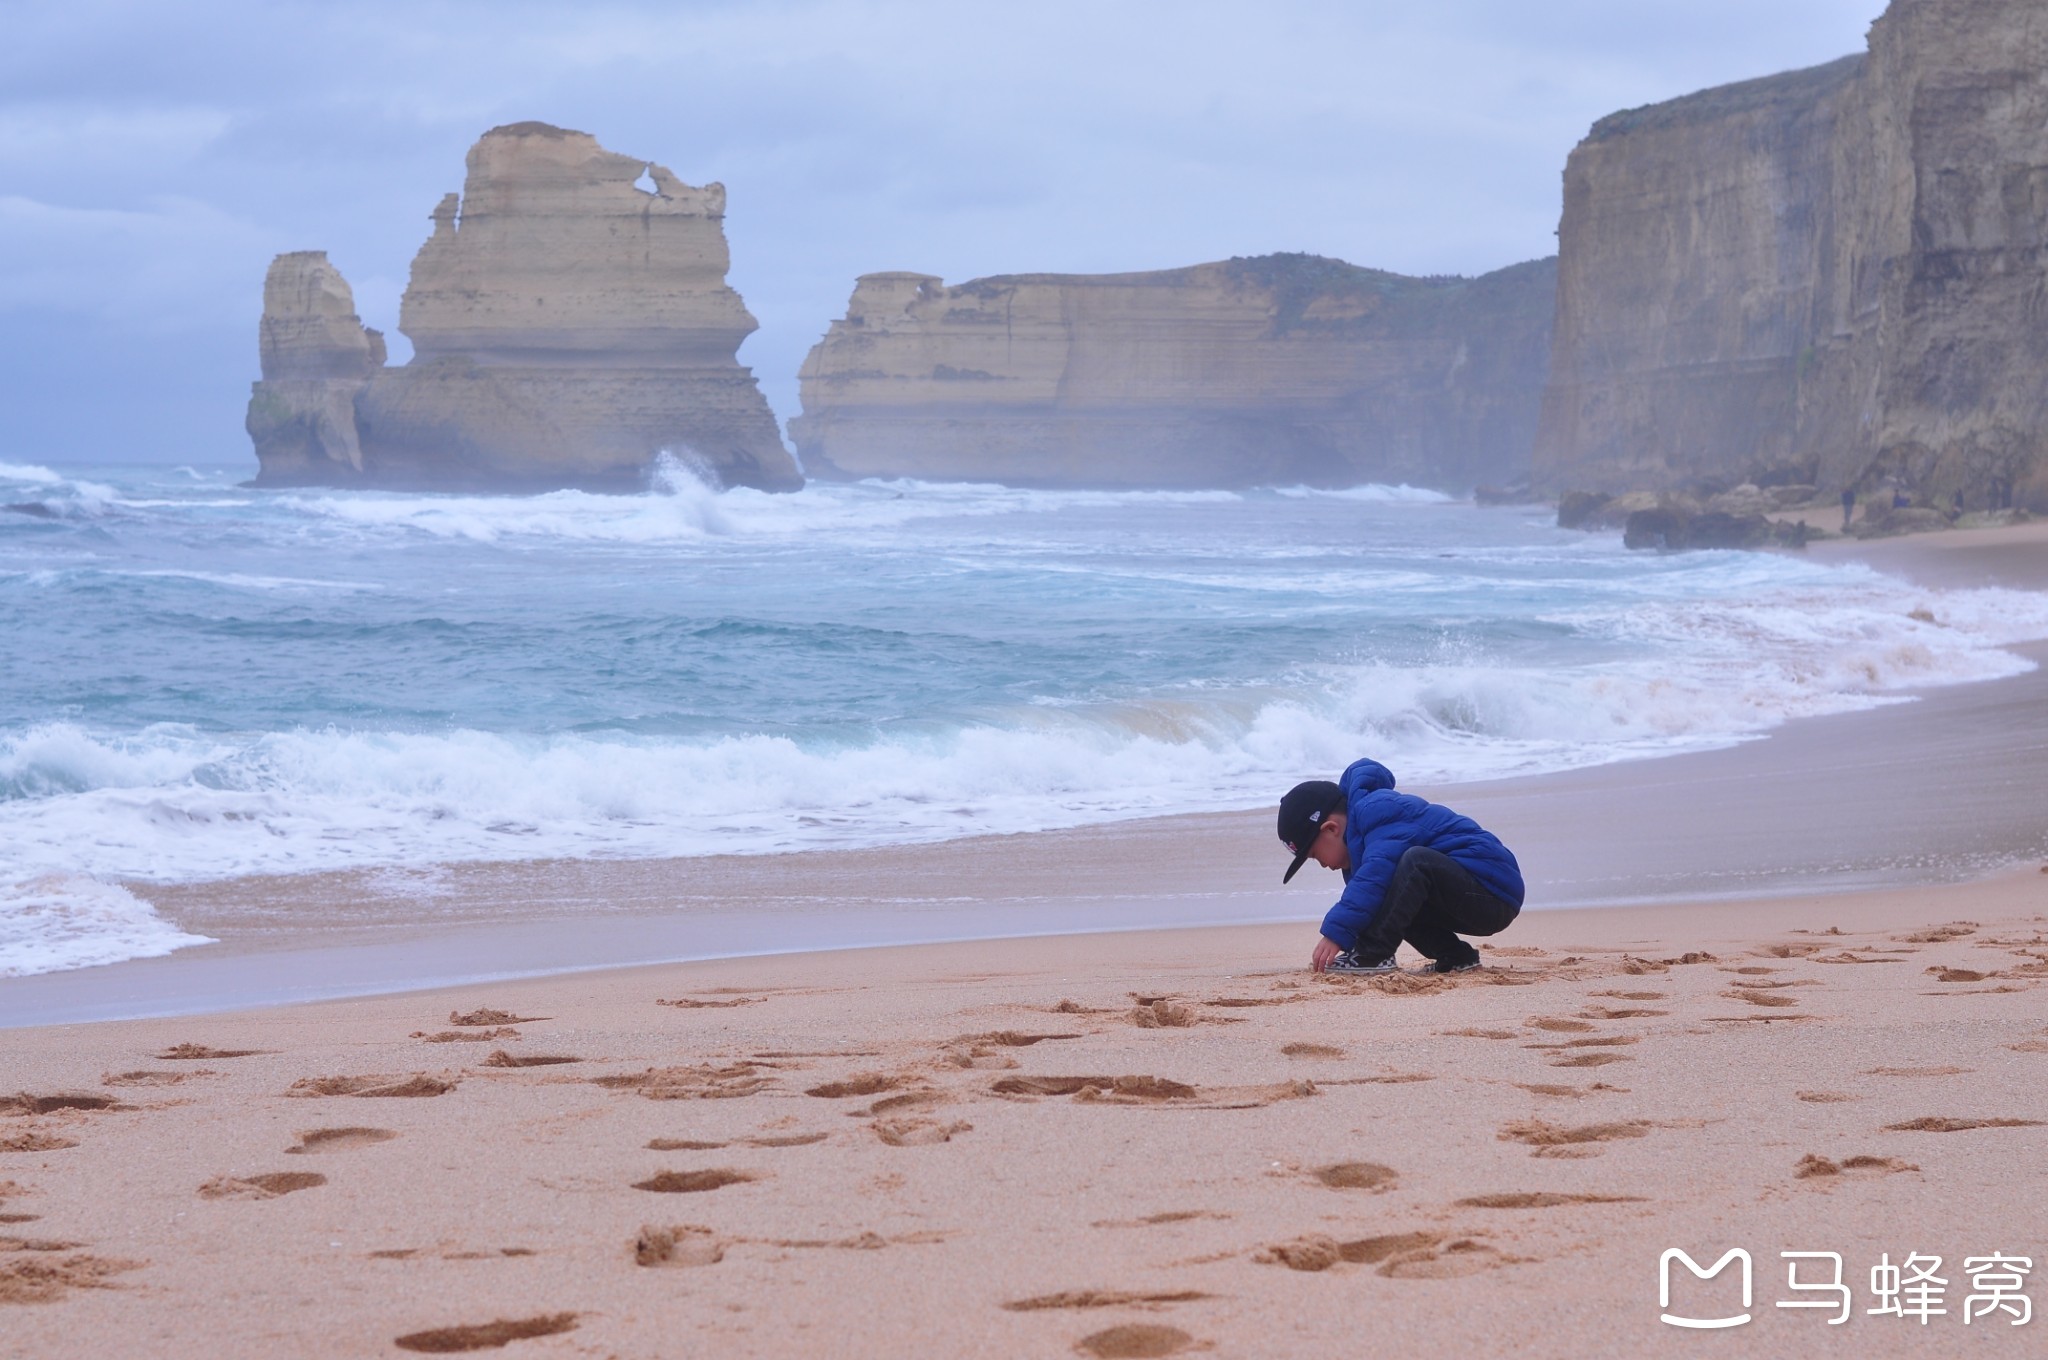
[567, 327]
[1276, 370]
[1837, 276]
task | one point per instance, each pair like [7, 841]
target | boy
[1413, 870]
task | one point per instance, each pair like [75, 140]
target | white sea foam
[30, 473]
[681, 508]
[57, 921]
[65, 497]
[171, 803]
[1372, 493]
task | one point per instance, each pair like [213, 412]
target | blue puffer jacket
[1381, 825]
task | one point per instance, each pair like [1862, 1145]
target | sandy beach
[1809, 1027]
[1129, 1145]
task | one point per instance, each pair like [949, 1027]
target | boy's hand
[1325, 951]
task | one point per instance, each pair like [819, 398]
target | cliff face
[1834, 276]
[567, 327]
[1277, 370]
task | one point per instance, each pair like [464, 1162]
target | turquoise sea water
[199, 680]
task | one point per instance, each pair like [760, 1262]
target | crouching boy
[1413, 870]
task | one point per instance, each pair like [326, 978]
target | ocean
[200, 681]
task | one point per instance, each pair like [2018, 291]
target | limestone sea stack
[568, 327]
[1836, 276]
[1276, 370]
[317, 356]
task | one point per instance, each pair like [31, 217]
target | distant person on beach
[1848, 507]
[1413, 870]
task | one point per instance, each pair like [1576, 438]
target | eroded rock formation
[1836, 276]
[1279, 370]
[567, 328]
[317, 355]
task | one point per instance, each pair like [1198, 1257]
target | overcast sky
[153, 157]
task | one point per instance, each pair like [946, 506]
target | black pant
[1431, 901]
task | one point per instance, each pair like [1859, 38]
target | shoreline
[1733, 822]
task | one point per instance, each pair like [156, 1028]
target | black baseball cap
[1301, 818]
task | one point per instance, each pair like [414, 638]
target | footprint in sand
[1410, 1255]
[35, 1140]
[487, 1335]
[1814, 1166]
[687, 1003]
[690, 1083]
[785, 1140]
[1918, 1072]
[1134, 1341]
[917, 1132]
[1635, 996]
[1954, 930]
[1558, 1140]
[1164, 1014]
[448, 1253]
[417, 1085]
[456, 1036]
[861, 1084]
[1156, 1220]
[1619, 1013]
[193, 1052]
[1568, 1092]
[1482, 1033]
[1102, 1298]
[1558, 1024]
[694, 1182]
[1132, 1087]
[478, 1019]
[39, 1276]
[1757, 998]
[150, 1078]
[339, 1140]
[267, 1186]
[1357, 1176]
[1312, 1051]
[681, 1245]
[1541, 1199]
[33, 1104]
[1960, 975]
[1825, 1097]
[500, 1058]
[1010, 1038]
[1944, 1124]
[1589, 1059]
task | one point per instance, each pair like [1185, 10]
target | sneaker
[1350, 962]
[1456, 965]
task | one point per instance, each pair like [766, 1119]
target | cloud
[170, 265]
[160, 154]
